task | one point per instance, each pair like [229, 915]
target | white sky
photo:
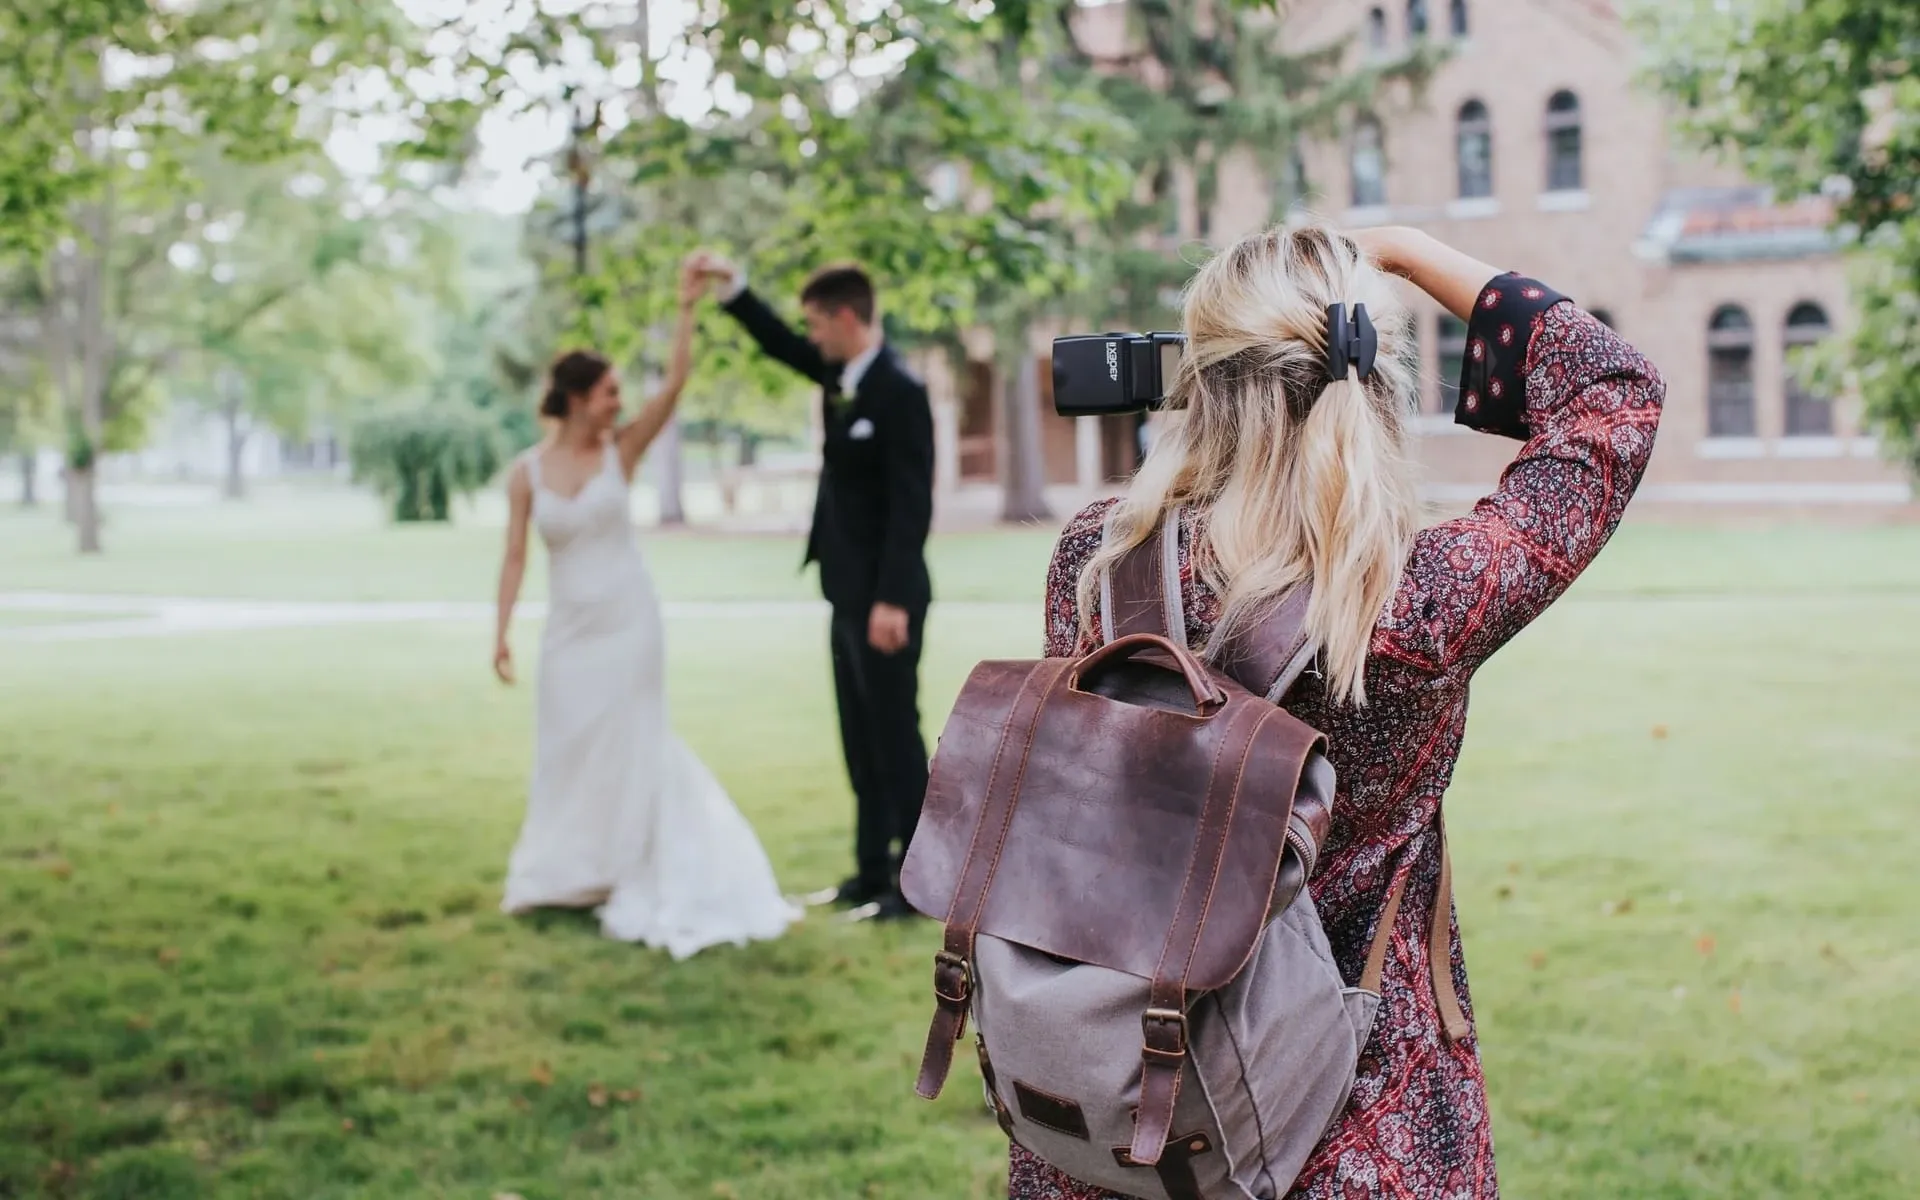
[519, 138]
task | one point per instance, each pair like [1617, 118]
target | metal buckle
[1169, 1018]
[950, 966]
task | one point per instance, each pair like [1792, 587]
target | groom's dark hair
[843, 286]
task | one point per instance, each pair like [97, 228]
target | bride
[621, 815]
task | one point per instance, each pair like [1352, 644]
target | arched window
[1457, 18]
[1730, 373]
[1452, 346]
[1377, 29]
[1563, 143]
[1369, 164]
[1809, 414]
[1473, 150]
[1416, 19]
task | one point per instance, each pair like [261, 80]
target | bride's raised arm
[636, 435]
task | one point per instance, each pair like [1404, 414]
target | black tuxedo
[871, 515]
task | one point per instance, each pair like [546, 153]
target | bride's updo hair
[572, 374]
[1304, 479]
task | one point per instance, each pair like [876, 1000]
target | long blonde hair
[1302, 480]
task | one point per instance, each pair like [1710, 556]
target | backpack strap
[1453, 1019]
[1269, 655]
[1141, 592]
[953, 965]
[1164, 1030]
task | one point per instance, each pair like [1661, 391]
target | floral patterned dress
[1587, 406]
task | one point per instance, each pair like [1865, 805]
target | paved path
[116, 616]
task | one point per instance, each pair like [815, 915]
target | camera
[1111, 374]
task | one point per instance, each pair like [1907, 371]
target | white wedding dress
[621, 814]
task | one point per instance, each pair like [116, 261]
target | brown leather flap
[1102, 839]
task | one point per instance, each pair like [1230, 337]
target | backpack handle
[1206, 693]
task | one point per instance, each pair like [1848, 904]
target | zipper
[1298, 841]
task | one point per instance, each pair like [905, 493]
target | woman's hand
[1389, 247]
[503, 661]
[694, 282]
[1453, 279]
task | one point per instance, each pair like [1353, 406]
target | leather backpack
[1119, 846]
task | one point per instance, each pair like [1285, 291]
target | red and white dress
[1587, 406]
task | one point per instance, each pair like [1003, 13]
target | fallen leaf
[597, 1096]
[168, 956]
[541, 1074]
[1537, 959]
[1617, 907]
[1827, 950]
[724, 1191]
[319, 1056]
[1513, 868]
[1733, 1001]
[629, 1096]
[61, 870]
[113, 810]
[139, 1022]
[1659, 733]
[346, 1125]
[1859, 1097]
[1705, 944]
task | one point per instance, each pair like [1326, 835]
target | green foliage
[420, 458]
[1822, 95]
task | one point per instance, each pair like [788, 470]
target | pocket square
[860, 430]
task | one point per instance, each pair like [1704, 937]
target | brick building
[1535, 147]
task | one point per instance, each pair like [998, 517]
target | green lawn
[248, 945]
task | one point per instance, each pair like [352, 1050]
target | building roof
[1733, 224]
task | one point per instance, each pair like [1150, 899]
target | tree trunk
[84, 506]
[29, 478]
[236, 484]
[749, 449]
[673, 507]
[1024, 475]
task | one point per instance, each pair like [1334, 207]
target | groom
[870, 519]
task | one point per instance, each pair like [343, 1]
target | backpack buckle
[952, 978]
[1165, 1032]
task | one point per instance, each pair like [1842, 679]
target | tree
[303, 296]
[422, 457]
[107, 105]
[1820, 96]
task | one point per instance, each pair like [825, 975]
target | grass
[248, 944]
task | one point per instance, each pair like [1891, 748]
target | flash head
[1110, 374]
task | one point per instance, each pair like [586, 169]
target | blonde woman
[1285, 476]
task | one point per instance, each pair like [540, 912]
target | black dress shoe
[857, 891]
[894, 907]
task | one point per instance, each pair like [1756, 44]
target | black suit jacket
[875, 499]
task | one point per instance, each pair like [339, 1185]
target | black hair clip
[1352, 343]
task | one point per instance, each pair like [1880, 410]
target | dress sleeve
[1079, 541]
[1587, 405]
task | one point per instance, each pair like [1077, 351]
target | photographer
[1286, 457]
